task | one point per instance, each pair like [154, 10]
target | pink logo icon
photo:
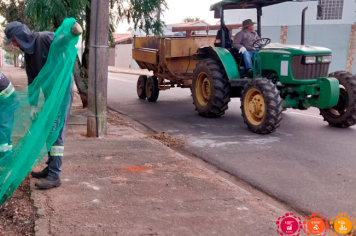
[289, 224]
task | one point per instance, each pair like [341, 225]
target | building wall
[272, 32]
[123, 55]
[134, 65]
[335, 38]
[111, 56]
[287, 14]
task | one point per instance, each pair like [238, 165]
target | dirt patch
[168, 140]
[17, 215]
[115, 119]
[137, 169]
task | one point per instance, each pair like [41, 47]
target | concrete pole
[98, 68]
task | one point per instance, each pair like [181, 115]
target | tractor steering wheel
[260, 43]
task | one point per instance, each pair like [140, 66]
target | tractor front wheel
[261, 106]
[210, 88]
[343, 115]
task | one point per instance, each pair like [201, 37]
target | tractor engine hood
[295, 49]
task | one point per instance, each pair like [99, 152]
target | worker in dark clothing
[9, 102]
[36, 46]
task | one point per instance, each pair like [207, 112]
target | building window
[332, 9]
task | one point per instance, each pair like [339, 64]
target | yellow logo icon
[343, 224]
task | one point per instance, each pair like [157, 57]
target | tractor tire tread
[349, 118]
[221, 96]
[273, 103]
[141, 79]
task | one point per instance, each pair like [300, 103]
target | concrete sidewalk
[128, 183]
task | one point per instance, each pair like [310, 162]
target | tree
[191, 19]
[13, 10]
[46, 15]
[9, 58]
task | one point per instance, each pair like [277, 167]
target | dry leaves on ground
[17, 215]
[168, 140]
[115, 119]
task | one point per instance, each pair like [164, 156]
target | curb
[131, 72]
[38, 199]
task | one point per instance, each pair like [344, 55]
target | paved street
[306, 163]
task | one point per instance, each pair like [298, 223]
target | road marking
[291, 112]
[122, 80]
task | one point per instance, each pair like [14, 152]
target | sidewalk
[129, 71]
[131, 184]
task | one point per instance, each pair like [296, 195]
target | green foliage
[9, 57]
[13, 10]
[145, 14]
[191, 19]
[48, 15]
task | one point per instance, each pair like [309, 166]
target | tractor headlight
[327, 59]
[310, 60]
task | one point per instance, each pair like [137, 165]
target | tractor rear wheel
[210, 88]
[261, 106]
[141, 86]
[152, 89]
[343, 115]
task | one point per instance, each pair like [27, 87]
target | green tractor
[284, 76]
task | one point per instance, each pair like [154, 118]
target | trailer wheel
[343, 115]
[261, 106]
[152, 89]
[210, 88]
[141, 86]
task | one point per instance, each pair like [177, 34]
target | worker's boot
[48, 183]
[40, 174]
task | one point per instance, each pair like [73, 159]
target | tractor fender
[219, 54]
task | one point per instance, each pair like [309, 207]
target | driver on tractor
[244, 42]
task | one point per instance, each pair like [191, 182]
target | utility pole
[98, 68]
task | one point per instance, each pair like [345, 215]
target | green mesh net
[31, 140]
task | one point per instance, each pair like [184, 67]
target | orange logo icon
[343, 224]
[315, 225]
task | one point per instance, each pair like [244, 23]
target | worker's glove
[77, 29]
[242, 50]
[33, 113]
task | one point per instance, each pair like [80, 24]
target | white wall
[123, 55]
[323, 35]
[287, 14]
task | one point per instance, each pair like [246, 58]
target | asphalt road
[306, 163]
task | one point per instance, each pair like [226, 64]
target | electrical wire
[95, 70]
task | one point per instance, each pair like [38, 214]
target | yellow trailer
[170, 59]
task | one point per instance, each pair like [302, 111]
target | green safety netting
[31, 140]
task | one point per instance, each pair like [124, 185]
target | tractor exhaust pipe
[303, 26]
